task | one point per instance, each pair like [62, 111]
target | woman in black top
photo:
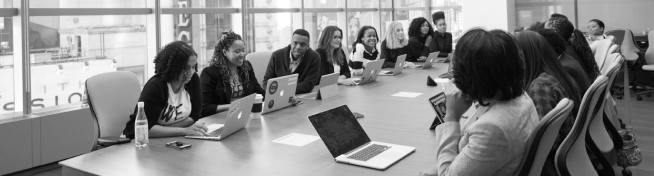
[576, 45]
[332, 55]
[394, 44]
[442, 40]
[229, 77]
[420, 36]
[365, 49]
[172, 96]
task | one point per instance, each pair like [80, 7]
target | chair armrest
[648, 67]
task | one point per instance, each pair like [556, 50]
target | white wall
[490, 14]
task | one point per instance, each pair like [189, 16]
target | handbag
[630, 154]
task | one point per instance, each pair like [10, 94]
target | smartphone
[357, 115]
[178, 145]
[437, 102]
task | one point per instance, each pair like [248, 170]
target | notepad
[296, 139]
[407, 94]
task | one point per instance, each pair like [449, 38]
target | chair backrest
[259, 61]
[602, 49]
[618, 35]
[628, 47]
[112, 97]
[615, 48]
[542, 139]
[571, 157]
[596, 129]
[610, 37]
[649, 54]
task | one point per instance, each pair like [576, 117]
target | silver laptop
[325, 80]
[237, 117]
[348, 143]
[430, 60]
[280, 93]
[370, 72]
[399, 66]
[448, 74]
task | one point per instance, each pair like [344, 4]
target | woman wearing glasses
[332, 55]
[172, 97]
[229, 77]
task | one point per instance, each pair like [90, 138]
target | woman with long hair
[229, 75]
[332, 55]
[547, 83]
[420, 36]
[576, 45]
[394, 44]
[364, 49]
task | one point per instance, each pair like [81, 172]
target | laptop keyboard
[368, 152]
[446, 75]
[215, 133]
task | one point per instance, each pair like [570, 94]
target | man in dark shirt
[298, 58]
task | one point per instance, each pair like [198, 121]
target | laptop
[430, 60]
[370, 72]
[448, 74]
[348, 143]
[280, 93]
[325, 80]
[399, 66]
[237, 117]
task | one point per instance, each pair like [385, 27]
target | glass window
[409, 3]
[635, 15]
[66, 50]
[446, 2]
[7, 91]
[386, 17]
[200, 4]
[529, 12]
[315, 22]
[87, 3]
[272, 31]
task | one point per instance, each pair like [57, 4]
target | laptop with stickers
[280, 93]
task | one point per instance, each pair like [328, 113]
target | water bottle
[141, 127]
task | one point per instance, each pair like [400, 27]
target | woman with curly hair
[576, 45]
[172, 97]
[229, 77]
[420, 33]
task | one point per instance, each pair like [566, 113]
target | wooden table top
[397, 120]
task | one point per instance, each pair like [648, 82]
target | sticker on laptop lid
[234, 108]
[272, 89]
[292, 81]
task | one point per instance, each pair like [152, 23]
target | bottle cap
[140, 104]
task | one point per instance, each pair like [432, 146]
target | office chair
[112, 97]
[601, 51]
[259, 61]
[542, 139]
[612, 72]
[648, 67]
[571, 158]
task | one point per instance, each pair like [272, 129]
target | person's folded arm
[485, 153]
[270, 71]
[312, 76]
[196, 100]
[209, 82]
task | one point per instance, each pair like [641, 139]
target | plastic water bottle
[141, 127]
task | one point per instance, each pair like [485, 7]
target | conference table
[390, 119]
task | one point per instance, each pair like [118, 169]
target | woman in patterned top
[547, 83]
[365, 49]
[229, 77]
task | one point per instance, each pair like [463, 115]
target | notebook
[349, 143]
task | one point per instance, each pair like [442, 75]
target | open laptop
[370, 72]
[430, 60]
[348, 143]
[399, 66]
[448, 74]
[325, 80]
[280, 93]
[237, 117]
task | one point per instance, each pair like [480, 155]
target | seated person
[332, 55]
[172, 98]
[365, 49]
[570, 65]
[547, 83]
[393, 45]
[442, 40]
[420, 36]
[576, 45]
[298, 58]
[229, 77]
[595, 30]
[494, 139]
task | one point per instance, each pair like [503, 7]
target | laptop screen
[339, 130]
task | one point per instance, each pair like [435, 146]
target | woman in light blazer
[489, 72]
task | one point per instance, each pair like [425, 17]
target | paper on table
[296, 139]
[407, 94]
[441, 80]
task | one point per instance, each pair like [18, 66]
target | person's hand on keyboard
[197, 129]
[347, 82]
[357, 72]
